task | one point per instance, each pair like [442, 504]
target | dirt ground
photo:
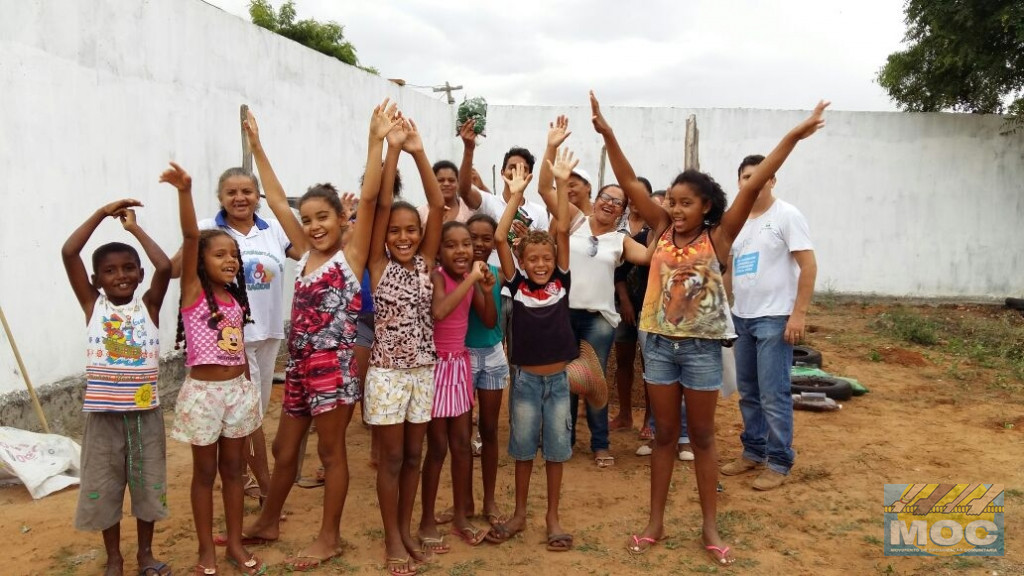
[923, 421]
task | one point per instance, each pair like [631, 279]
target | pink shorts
[322, 382]
[453, 385]
[205, 411]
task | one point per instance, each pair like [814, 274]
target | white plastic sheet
[728, 372]
[44, 463]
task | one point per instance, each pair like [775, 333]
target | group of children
[437, 347]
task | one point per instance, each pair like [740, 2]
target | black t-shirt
[541, 331]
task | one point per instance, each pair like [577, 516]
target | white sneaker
[685, 454]
[644, 450]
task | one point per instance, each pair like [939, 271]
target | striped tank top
[122, 358]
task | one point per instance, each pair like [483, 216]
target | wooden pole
[601, 166]
[246, 151]
[691, 149]
[24, 373]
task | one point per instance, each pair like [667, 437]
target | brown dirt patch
[826, 519]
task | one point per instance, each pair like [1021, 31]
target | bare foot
[620, 423]
[115, 567]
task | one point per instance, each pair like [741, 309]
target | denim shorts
[696, 363]
[489, 367]
[364, 330]
[539, 410]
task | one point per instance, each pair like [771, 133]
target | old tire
[834, 388]
[806, 356]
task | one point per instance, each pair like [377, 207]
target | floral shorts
[394, 396]
[320, 383]
[208, 410]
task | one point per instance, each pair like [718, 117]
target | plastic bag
[728, 372]
[44, 463]
[472, 109]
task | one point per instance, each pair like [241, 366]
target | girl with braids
[218, 406]
[686, 316]
[321, 383]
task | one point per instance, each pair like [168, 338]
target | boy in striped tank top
[123, 443]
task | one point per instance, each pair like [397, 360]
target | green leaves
[327, 38]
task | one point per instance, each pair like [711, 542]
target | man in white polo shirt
[772, 272]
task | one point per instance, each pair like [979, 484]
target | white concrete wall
[924, 205]
[97, 96]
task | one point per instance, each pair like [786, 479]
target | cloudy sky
[690, 53]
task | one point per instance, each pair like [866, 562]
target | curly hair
[709, 191]
[236, 289]
[540, 237]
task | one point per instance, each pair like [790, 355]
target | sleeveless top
[122, 360]
[478, 335]
[685, 294]
[213, 340]
[450, 333]
[324, 310]
[403, 331]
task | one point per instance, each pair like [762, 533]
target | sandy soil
[919, 424]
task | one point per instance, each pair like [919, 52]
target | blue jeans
[593, 328]
[763, 362]
[538, 409]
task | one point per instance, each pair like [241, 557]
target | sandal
[437, 545]
[646, 433]
[559, 542]
[200, 570]
[604, 461]
[641, 544]
[400, 566]
[719, 555]
[446, 516]
[252, 567]
[472, 536]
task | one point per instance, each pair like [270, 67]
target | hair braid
[238, 291]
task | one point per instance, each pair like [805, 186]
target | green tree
[326, 38]
[961, 55]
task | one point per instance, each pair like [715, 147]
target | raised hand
[127, 218]
[177, 177]
[813, 122]
[413, 142]
[565, 161]
[488, 281]
[478, 181]
[252, 130]
[396, 137]
[115, 208]
[467, 134]
[558, 131]
[348, 205]
[519, 181]
[479, 271]
[520, 229]
[384, 118]
[601, 125]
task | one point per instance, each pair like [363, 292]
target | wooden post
[601, 166]
[24, 373]
[691, 149]
[246, 151]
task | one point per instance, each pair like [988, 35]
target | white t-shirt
[764, 272]
[593, 285]
[263, 258]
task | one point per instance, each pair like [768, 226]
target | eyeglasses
[617, 202]
[592, 251]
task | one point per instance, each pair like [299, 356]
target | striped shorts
[453, 385]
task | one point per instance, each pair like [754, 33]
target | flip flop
[559, 542]
[251, 567]
[222, 540]
[200, 570]
[400, 566]
[306, 562]
[604, 461]
[719, 555]
[472, 536]
[494, 519]
[646, 433]
[446, 516]
[641, 544]
[155, 569]
[309, 482]
[435, 545]
[501, 533]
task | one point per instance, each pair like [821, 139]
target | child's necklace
[688, 242]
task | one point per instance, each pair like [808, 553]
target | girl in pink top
[458, 283]
[218, 406]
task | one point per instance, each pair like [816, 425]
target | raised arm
[154, 297]
[470, 195]
[435, 201]
[558, 131]
[384, 119]
[561, 169]
[516, 186]
[277, 201]
[443, 302]
[483, 299]
[382, 217]
[71, 253]
[190, 287]
[736, 215]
